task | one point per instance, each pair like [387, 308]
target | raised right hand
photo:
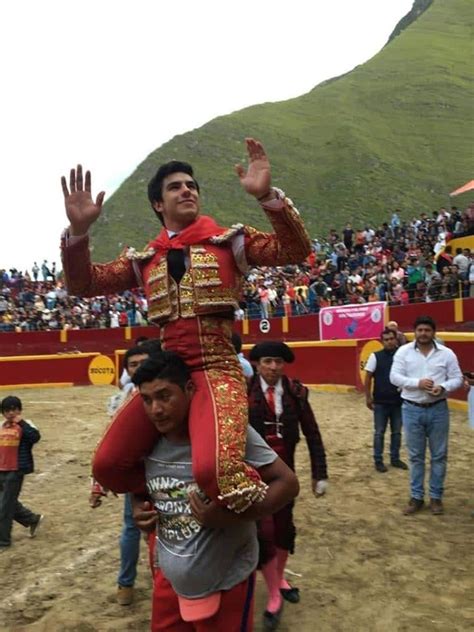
[81, 209]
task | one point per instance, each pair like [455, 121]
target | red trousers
[217, 420]
[234, 615]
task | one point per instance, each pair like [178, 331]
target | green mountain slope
[396, 132]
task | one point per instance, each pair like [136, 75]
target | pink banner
[352, 321]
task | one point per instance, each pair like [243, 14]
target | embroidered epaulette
[282, 196]
[235, 229]
[139, 255]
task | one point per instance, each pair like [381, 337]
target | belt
[428, 405]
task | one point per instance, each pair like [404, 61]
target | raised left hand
[257, 179]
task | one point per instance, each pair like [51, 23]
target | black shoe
[380, 467]
[290, 594]
[414, 505]
[271, 620]
[400, 464]
[436, 506]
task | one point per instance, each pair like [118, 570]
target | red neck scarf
[200, 230]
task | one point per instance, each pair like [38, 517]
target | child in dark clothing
[17, 437]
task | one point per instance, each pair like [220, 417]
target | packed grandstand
[399, 262]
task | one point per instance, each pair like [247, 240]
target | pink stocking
[272, 579]
[281, 558]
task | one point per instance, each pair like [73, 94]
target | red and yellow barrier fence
[317, 362]
[336, 365]
[457, 315]
[59, 370]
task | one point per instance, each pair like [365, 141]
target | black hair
[152, 347]
[140, 340]
[133, 351]
[237, 342]
[386, 332]
[155, 186]
[425, 320]
[165, 366]
[10, 403]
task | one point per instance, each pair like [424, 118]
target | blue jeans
[129, 546]
[382, 414]
[422, 426]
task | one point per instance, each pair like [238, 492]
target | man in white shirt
[369, 234]
[426, 372]
[355, 277]
[247, 368]
[461, 261]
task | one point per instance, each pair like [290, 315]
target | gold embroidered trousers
[217, 421]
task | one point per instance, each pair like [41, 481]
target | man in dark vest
[385, 401]
[278, 407]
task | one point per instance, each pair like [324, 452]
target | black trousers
[11, 508]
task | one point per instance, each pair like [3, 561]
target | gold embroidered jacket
[211, 284]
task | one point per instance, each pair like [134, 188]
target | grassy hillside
[397, 131]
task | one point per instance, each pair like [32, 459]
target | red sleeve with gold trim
[289, 243]
[84, 278]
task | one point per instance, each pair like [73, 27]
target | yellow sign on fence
[101, 370]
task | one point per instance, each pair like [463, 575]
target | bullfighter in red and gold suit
[192, 275]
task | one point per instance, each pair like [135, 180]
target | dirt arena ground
[361, 566]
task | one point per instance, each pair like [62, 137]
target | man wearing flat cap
[278, 407]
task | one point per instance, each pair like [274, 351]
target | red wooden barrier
[447, 315]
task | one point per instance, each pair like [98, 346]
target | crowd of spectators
[400, 262]
[29, 302]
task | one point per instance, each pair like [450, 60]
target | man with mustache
[426, 372]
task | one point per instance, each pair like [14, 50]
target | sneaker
[436, 506]
[35, 526]
[124, 595]
[415, 504]
[380, 467]
[400, 464]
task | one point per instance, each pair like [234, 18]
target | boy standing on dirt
[17, 437]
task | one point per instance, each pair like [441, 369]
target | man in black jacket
[385, 401]
[278, 408]
[17, 437]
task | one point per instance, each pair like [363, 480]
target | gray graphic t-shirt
[197, 560]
